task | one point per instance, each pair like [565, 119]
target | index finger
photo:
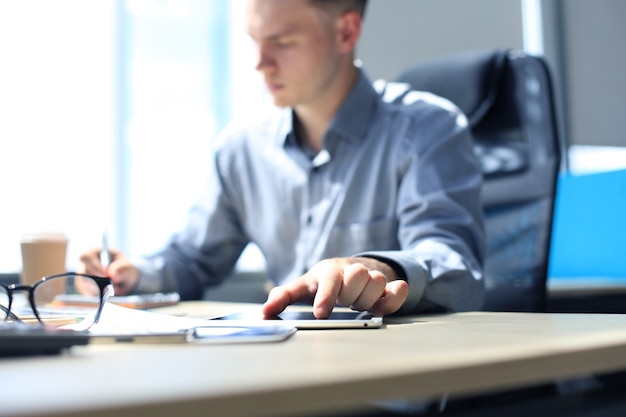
[281, 297]
[91, 262]
[329, 282]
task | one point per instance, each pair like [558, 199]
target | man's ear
[348, 31]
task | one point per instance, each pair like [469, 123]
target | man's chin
[281, 104]
[279, 101]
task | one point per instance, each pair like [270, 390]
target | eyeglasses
[51, 302]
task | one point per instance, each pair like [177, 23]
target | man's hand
[123, 274]
[360, 283]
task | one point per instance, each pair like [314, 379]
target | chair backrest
[508, 100]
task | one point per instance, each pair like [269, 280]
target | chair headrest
[469, 79]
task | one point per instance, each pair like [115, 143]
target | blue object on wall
[589, 233]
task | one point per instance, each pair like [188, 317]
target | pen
[105, 258]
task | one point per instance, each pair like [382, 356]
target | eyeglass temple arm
[10, 315]
[103, 283]
[106, 290]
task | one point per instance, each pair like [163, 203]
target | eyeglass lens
[60, 300]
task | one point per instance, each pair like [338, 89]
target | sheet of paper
[127, 325]
[116, 319]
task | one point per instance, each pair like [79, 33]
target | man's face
[296, 46]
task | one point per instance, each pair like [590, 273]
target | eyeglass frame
[102, 282]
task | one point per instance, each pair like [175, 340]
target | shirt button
[309, 219]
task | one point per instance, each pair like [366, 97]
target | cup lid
[43, 236]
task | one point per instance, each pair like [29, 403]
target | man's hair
[341, 6]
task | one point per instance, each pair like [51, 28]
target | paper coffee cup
[43, 254]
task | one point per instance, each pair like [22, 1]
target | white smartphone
[218, 334]
[234, 334]
[306, 320]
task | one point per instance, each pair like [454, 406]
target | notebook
[139, 301]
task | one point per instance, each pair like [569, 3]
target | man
[352, 201]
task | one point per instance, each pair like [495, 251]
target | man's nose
[264, 59]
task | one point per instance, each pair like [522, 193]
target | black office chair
[507, 97]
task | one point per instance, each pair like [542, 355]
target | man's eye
[283, 43]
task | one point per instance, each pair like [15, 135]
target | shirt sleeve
[441, 231]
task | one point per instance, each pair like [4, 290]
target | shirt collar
[351, 121]
[354, 116]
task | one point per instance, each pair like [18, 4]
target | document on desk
[120, 324]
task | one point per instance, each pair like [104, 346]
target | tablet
[306, 320]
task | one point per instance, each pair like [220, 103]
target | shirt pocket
[352, 238]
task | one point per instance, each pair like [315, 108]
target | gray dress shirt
[397, 182]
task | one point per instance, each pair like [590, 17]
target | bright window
[57, 112]
[107, 110]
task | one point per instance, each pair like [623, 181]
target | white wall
[400, 33]
[583, 48]
[594, 62]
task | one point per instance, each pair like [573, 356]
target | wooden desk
[315, 370]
